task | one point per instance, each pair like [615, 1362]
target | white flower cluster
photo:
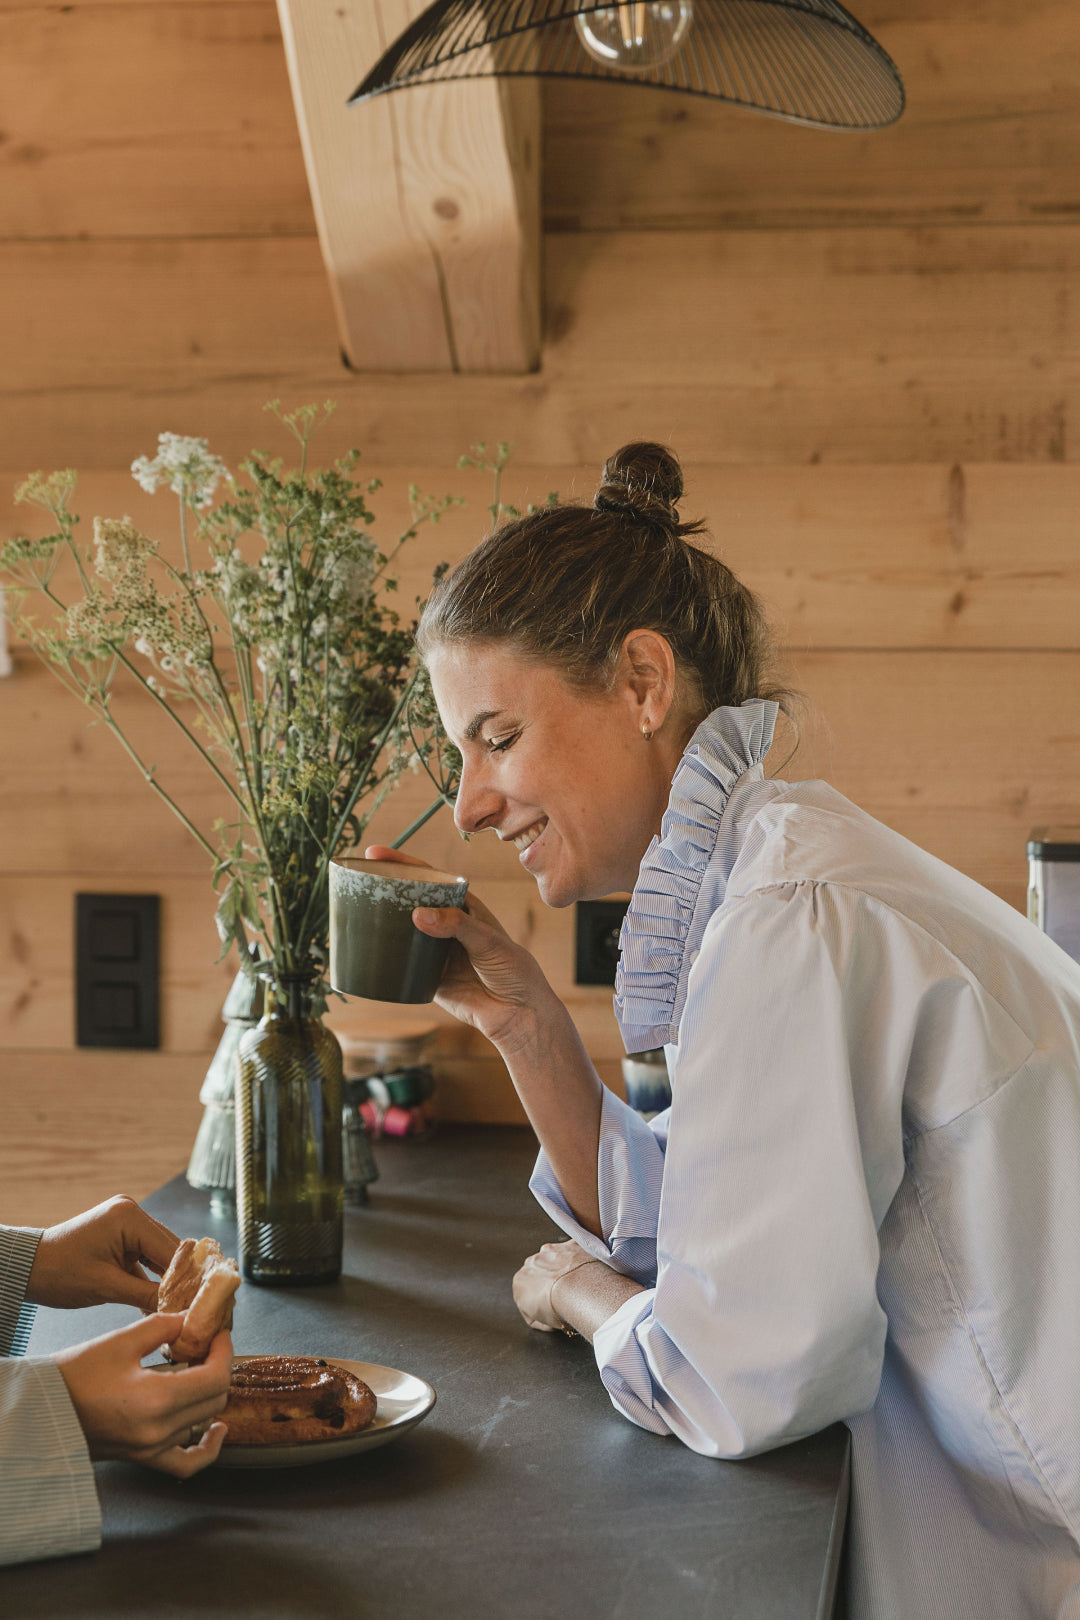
[185, 464]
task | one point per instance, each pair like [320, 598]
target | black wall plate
[596, 943]
[116, 970]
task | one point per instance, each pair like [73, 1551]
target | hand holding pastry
[97, 1258]
[132, 1412]
[201, 1282]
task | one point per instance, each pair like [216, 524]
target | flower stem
[183, 536]
[148, 774]
[415, 826]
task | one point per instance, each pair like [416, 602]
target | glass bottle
[289, 1195]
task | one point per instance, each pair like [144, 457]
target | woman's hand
[97, 1258]
[498, 988]
[489, 982]
[563, 1287]
[533, 1283]
[132, 1412]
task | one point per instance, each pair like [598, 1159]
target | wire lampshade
[805, 60]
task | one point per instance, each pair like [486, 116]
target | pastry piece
[276, 1400]
[201, 1282]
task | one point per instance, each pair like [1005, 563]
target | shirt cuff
[48, 1498]
[622, 1367]
[630, 1170]
[18, 1246]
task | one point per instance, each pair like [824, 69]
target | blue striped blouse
[864, 1201]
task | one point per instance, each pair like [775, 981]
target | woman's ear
[648, 676]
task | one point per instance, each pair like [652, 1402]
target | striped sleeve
[18, 1245]
[48, 1499]
[629, 1172]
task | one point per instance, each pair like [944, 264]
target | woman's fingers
[130, 1285]
[127, 1410]
[502, 968]
[533, 1282]
[192, 1394]
[179, 1405]
[94, 1258]
[149, 1240]
[161, 1327]
[183, 1461]
[212, 1373]
[385, 852]
[474, 907]
[476, 929]
[176, 1425]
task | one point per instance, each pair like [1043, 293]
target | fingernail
[424, 914]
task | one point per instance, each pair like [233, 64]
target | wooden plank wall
[864, 347]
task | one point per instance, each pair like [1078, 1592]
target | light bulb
[636, 35]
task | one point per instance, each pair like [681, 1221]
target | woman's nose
[477, 804]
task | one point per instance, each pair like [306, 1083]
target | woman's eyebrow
[478, 721]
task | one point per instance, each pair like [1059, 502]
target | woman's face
[568, 778]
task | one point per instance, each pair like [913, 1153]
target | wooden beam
[427, 201]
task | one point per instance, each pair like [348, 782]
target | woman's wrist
[530, 1031]
[567, 1326]
[585, 1305]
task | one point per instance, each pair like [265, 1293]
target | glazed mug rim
[399, 871]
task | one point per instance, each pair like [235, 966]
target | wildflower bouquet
[273, 650]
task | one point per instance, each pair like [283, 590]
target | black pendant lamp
[805, 60]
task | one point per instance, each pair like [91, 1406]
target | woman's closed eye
[499, 745]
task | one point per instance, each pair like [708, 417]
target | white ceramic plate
[402, 1401]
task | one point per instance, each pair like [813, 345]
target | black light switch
[114, 935]
[116, 969]
[596, 943]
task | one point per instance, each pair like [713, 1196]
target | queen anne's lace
[186, 465]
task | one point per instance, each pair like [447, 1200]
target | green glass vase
[289, 1192]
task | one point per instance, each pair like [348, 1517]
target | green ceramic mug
[376, 950]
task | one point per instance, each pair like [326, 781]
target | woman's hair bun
[643, 481]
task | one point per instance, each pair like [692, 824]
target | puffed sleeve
[630, 1174]
[48, 1499]
[784, 1150]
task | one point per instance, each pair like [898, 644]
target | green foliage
[482, 460]
[277, 656]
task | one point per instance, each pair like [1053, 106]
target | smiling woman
[579, 832]
[862, 1203]
[629, 632]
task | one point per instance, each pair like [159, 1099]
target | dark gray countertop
[524, 1494]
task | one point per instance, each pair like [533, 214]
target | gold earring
[646, 733]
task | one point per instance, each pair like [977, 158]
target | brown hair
[567, 583]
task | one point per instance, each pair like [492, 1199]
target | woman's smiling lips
[525, 839]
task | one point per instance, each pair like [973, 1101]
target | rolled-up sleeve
[48, 1499]
[630, 1174]
[764, 1323]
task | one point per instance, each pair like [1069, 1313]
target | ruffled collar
[679, 882]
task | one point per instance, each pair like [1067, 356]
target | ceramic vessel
[376, 950]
